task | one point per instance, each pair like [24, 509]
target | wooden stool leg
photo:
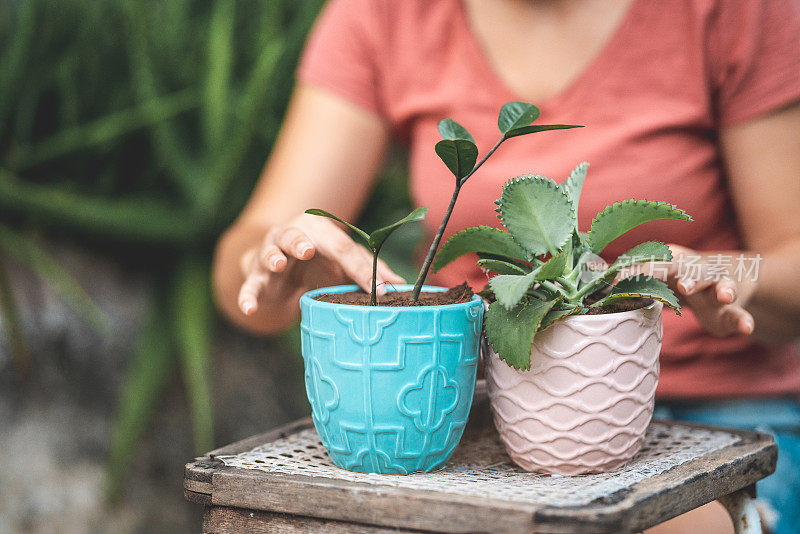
[742, 507]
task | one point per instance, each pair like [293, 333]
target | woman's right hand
[305, 253]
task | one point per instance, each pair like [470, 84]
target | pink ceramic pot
[584, 405]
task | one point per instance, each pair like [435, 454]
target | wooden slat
[645, 504]
[224, 520]
[672, 493]
[375, 505]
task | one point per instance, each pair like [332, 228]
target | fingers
[725, 288]
[694, 277]
[699, 275]
[389, 276]
[726, 291]
[295, 242]
[711, 294]
[689, 285]
[284, 244]
[246, 262]
[354, 260]
[736, 320]
[251, 289]
[746, 324]
[719, 318]
[272, 258]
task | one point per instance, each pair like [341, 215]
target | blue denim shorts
[778, 417]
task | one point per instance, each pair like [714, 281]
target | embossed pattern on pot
[390, 388]
[585, 404]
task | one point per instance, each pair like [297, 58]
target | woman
[694, 102]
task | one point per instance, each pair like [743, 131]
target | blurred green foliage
[139, 128]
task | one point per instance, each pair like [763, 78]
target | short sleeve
[340, 53]
[755, 58]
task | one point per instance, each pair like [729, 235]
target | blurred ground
[55, 425]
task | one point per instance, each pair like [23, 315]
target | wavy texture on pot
[544, 264]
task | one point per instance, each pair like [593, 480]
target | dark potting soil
[454, 295]
[620, 306]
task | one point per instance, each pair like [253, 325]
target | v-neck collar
[594, 67]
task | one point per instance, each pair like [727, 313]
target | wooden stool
[283, 481]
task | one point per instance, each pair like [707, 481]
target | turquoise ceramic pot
[390, 387]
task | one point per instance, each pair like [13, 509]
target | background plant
[138, 130]
[458, 151]
[543, 260]
[375, 240]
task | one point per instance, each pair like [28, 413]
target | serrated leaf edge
[619, 296]
[531, 177]
[570, 313]
[533, 337]
[632, 201]
[475, 229]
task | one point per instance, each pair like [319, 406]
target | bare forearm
[775, 299]
[262, 263]
[763, 167]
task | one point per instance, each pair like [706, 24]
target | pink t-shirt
[671, 74]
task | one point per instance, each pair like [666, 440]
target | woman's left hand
[710, 291]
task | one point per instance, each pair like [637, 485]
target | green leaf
[511, 332]
[641, 253]
[51, 272]
[539, 128]
[377, 238]
[12, 323]
[574, 184]
[623, 216]
[192, 319]
[537, 213]
[641, 286]
[359, 232]
[450, 129]
[500, 266]
[510, 288]
[459, 155]
[16, 52]
[147, 220]
[145, 380]
[579, 244]
[250, 117]
[106, 129]
[516, 115]
[554, 267]
[481, 239]
[220, 58]
[554, 315]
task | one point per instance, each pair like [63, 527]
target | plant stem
[589, 288]
[481, 162]
[557, 289]
[538, 294]
[373, 296]
[575, 274]
[567, 283]
[423, 273]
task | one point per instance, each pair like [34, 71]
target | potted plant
[572, 361]
[390, 379]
